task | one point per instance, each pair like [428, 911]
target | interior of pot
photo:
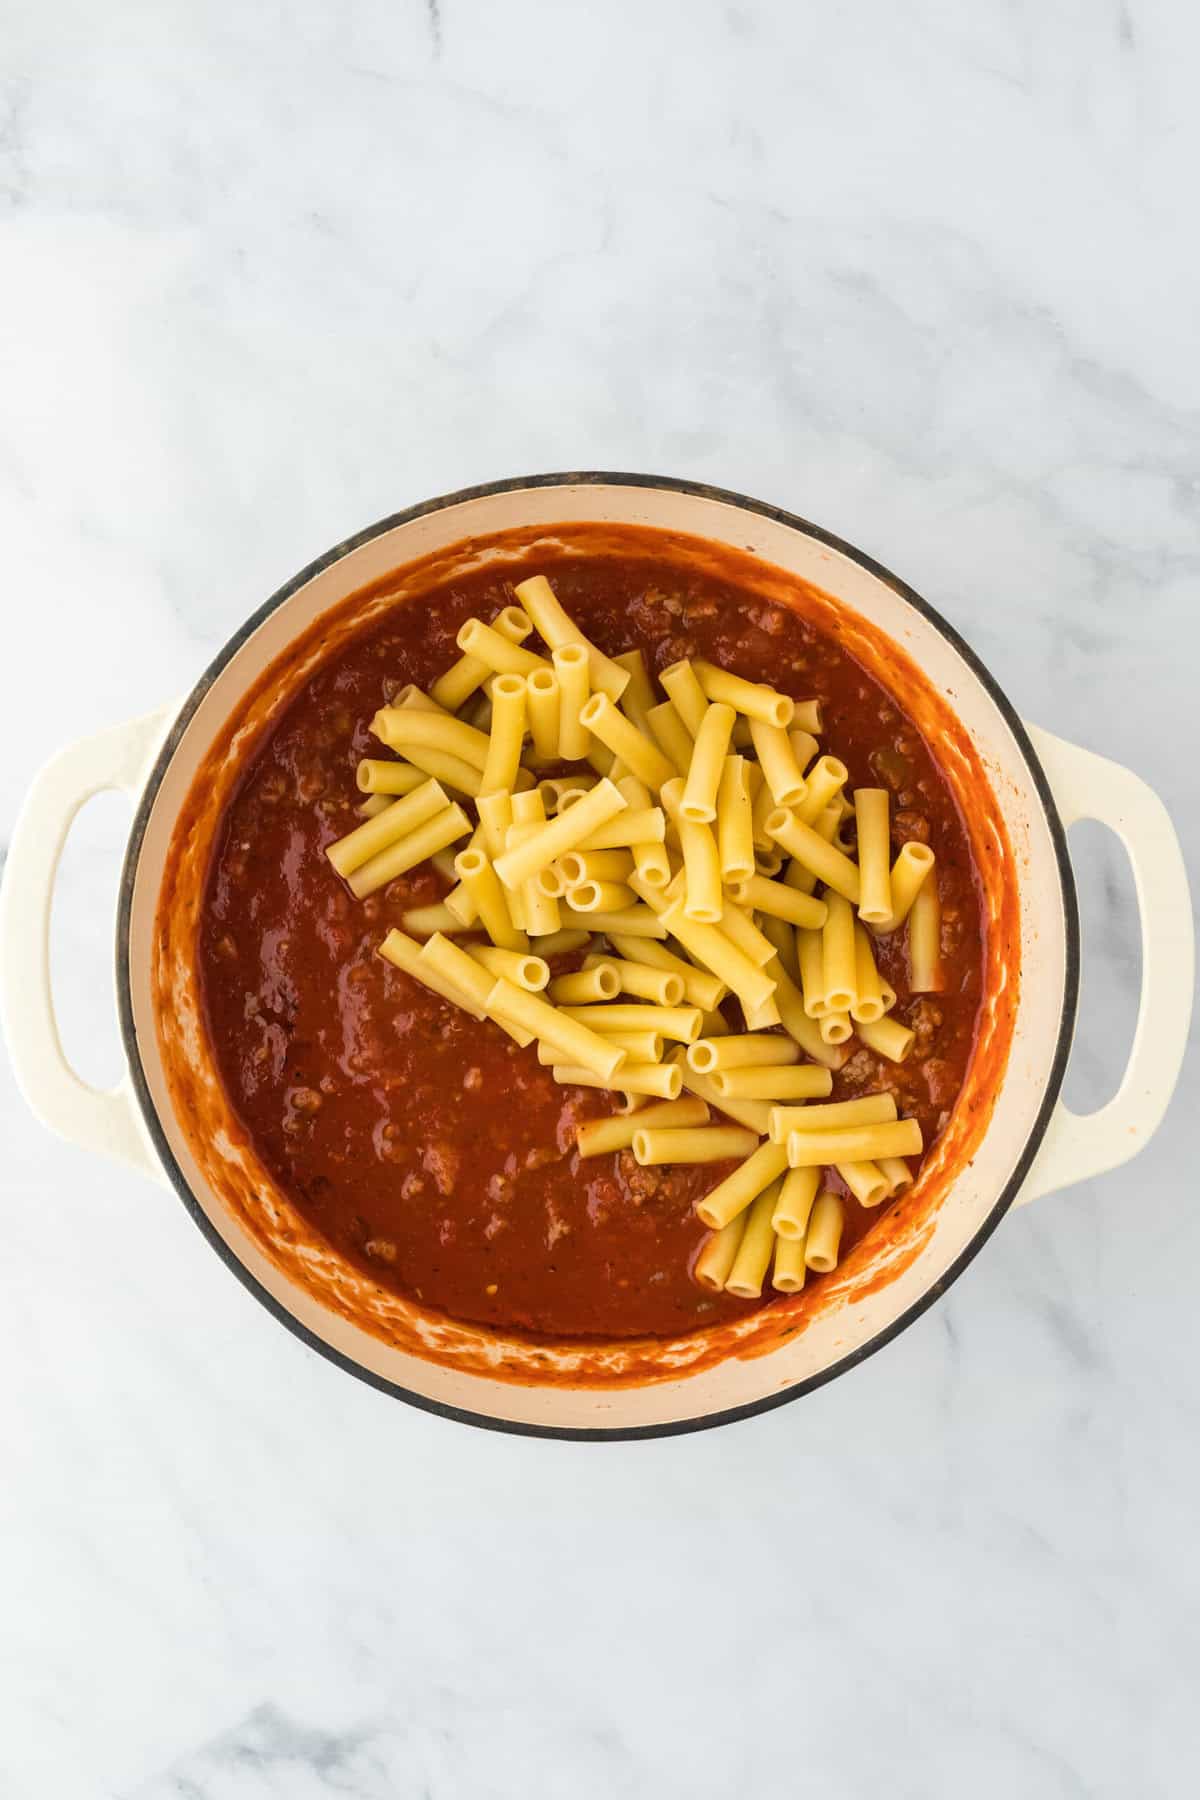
[966, 1182]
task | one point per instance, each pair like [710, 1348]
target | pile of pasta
[696, 848]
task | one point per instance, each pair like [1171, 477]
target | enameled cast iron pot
[1032, 1144]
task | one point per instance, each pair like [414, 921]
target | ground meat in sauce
[429, 1149]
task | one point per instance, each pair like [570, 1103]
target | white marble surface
[927, 274]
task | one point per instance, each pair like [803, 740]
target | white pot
[1032, 1143]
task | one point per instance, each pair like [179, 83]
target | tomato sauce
[426, 1147]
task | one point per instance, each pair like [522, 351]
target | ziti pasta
[624, 1001]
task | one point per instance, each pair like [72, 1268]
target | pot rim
[153, 1124]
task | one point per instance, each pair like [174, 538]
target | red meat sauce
[428, 1148]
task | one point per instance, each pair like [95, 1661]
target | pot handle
[107, 1120]
[1079, 1145]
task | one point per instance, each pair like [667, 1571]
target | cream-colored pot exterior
[1032, 1144]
